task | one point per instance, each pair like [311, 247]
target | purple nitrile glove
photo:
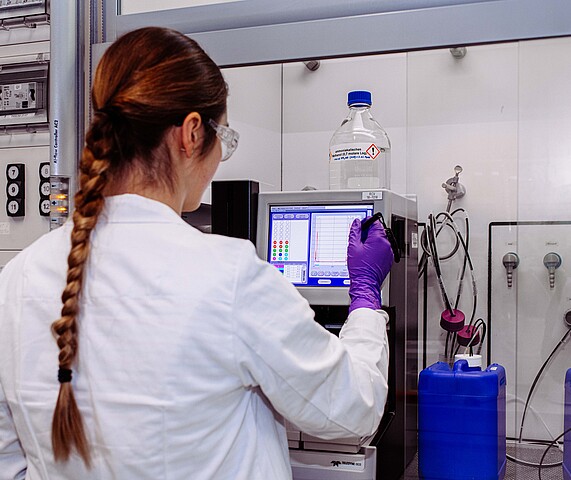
[368, 264]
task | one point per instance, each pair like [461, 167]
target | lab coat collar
[133, 208]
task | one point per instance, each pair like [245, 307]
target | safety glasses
[228, 138]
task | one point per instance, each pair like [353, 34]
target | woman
[180, 353]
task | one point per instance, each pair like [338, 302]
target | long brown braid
[67, 426]
[146, 83]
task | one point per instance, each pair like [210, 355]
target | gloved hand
[368, 264]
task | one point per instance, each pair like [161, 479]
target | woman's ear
[191, 135]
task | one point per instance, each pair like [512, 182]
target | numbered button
[45, 189]
[44, 171]
[45, 207]
[14, 208]
[13, 172]
[13, 189]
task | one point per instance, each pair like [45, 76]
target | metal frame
[263, 31]
[65, 103]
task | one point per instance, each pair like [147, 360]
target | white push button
[13, 172]
[45, 189]
[45, 207]
[13, 207]
[13, 189]
[45, 170]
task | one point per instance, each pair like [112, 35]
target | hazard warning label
[355, 151]
[373, 151]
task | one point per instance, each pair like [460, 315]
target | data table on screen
[308, 243]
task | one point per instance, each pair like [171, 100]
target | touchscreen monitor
[308, 243]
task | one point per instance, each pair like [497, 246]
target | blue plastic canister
[567, 442]
[462, 422]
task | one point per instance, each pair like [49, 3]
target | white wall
[254, 110]
[315, 103]
[544, 140]
[465, 112]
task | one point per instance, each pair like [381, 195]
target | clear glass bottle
[360, 150]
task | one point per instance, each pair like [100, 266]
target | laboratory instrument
[235, 208]
[305, 235]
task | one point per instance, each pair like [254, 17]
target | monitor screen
[308, 243]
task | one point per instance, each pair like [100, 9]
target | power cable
[428, 241]
[541, 465]
[536, 380]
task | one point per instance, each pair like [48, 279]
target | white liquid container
[360, 150]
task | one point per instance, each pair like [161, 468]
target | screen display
[308, 243]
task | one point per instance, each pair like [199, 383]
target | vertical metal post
[63, 107]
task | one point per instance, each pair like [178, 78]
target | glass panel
[502, 113]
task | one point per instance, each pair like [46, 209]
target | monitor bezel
[316, 295]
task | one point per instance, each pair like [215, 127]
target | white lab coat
[191, 350]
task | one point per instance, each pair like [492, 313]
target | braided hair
[146, 82]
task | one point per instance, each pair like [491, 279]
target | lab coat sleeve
[327, 386]
[12, 458]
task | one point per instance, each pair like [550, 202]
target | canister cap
[359, 97]
[473, 360]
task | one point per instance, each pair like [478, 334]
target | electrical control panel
[19, 97]
[23, 93]
[24, 129]
[21, 8]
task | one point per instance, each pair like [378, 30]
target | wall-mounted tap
[552, 261]
[510, 261]
[453, 187]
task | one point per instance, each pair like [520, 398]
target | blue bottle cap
[359, 96]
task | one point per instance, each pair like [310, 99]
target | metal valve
[552, 261]
[453, 187]
[510, 261]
